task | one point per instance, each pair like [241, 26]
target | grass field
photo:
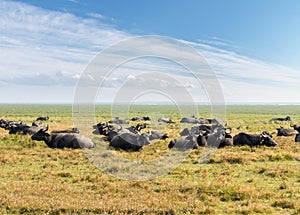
[35, 179]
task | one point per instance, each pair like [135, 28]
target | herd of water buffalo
[205, 133]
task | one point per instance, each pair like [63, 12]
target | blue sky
[267, 29]
[253, 46]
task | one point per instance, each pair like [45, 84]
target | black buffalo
[117, 120]
[202, 138]
[155, 135]
[253, 139]
[63, 140]
[227, 139]
[287, 118]
[73, 130]
[195, 130]
[285, 131]
[42, 118]
[165, 120]
[296, 127]
[130, 141]
[144, 118]
[220, 137]
[190, 142]
[297, 138]
[194, 120]
[23, 128]
[191, 120]
[117, 130]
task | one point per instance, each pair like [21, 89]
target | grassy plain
[35, 179]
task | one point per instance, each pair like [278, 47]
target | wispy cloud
[47, 42]
[96, 15]
[74, 1]
[49, 48]
[219, 42]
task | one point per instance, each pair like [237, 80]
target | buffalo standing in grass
[253, 139]
[297, 138]
[63, 140]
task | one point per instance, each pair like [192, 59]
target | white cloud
[48, 48]
[37, 40]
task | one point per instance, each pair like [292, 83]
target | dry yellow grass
[35, 179]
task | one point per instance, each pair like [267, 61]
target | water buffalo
[23, 128]
[117, 120]
[165, 120]
[155, 135]
[253, 139]
[191, 120]
[103, 128]
[190, 142]
[227, 139]
[63, 140]
[215, 138]
[204, 121]
[297, 138]
[130, 141]
[144, 118]
[17, 128]
[73, 130]
[287, 118]
[202, 138]
[195, 130]
[6, 124]
[296, 127]
[194, 120]
[116, 130]
[285, 131]
[42, 118]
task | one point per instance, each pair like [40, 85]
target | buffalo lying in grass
[155, 135]
[73, 130]
[42, 118]
[119, 121]
[285, 131]
[191, 120]
[296, 127]
[165, 120]
[63, 140]
[253, 139]
[23, 128]
[144, 118]
[190, 142]
[287, 118]
[130, 141]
